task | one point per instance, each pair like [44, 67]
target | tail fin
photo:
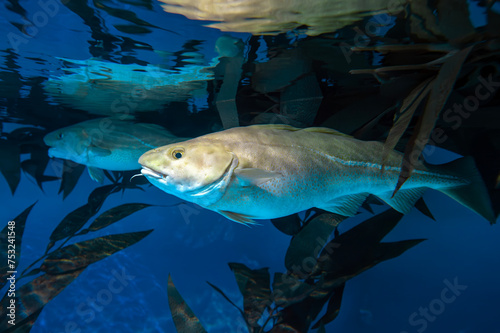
[473, 195]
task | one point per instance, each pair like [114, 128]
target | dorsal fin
[282, 127]
[325, 130]
[154, 127]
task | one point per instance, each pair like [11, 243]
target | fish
[270, 171]
[107, 143]
[101, 87]
[274, 17]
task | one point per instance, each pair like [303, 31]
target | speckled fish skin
[294, 170]
[107, 143]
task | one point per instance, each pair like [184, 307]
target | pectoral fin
[253, 176]
[98, 151]
[96, 174]
[347, 205]
[239, 218]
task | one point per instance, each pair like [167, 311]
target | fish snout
[148, 157]
[49, 139]
[151, 162]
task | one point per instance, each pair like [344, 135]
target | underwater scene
[250, 166]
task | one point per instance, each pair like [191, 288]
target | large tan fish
[270, 171]
[107, 143]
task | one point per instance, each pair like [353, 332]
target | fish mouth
[54, 152]
[152, 173]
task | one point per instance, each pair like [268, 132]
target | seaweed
[17, 231]
[441, 89]
[394, 86]
[426, 62]
[184, 318]
[71, 173]
[452, 49]
[23, 140]
[317, 271]
[61, 266]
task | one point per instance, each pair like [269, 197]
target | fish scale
[140, 141]
[270, 171]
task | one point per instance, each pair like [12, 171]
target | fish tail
[473, 195]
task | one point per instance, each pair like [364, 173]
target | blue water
[195, 245]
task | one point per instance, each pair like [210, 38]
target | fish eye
[60, 135]
[177, 153]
